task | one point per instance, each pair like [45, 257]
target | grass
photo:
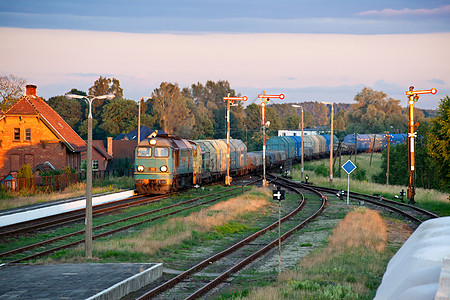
[318, 172]
[349, 267]
[176, 234]
[22, 198]
[179, 229]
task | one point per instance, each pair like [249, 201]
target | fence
[47, 183]
[60, 182]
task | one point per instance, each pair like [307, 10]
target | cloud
[436, 81]
[388, 12]
[319, 66]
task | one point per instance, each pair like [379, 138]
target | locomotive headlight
[163, 168]
[140, 168]
[152, 142]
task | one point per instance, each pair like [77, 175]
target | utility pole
[413, 96]
[139, 118]
[264, 100]
[230, 102]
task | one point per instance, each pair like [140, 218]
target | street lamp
[88, 231]
[139, 118]
[331, 142]
[299, 106]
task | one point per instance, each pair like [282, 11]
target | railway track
[413, 213]
[102, 230]
[75, 215]
[191, 284]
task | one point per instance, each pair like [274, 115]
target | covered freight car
[282, 143]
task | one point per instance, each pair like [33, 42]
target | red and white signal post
[264, 100]
[230, 101]
[412, 98]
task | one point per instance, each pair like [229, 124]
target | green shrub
[322, 170]
[25, 172]
[359, 174]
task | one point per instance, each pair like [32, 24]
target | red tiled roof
[33, 105]
[98, 145]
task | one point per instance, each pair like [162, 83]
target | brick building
[100, 156]
[31, 132]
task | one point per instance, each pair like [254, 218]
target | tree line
[198, 112]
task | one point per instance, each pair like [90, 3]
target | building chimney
[109, 141]
[31, 90]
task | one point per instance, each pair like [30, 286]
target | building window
[95, 165]
[28, 134]
[17, 134]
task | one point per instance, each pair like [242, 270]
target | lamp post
[299, 106]
[139, 118]
[88, 231]
[331, 142]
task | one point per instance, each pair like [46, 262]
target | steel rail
[177, 279]
[71, 216]
[121, 228]
[432, 215]
[370, 199]
[373, 200]
[52, 240]
[222, 277]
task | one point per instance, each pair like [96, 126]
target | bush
[322, 170]
[25, 172]
[359, 174]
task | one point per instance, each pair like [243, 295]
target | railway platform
[28, 213]
[75, 281]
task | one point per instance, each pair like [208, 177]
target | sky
[309, 50]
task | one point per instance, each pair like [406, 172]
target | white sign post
[348, 167]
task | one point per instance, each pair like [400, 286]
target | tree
[339, 121]
[375, 113]
[203, 127]
[439, 142]
[119, 116]
[104, 86]
[292, 122]
[275, 121]
[426, 175]
[11, 88]
[253, 124]
[69, 109]
[320, 114]
[170, 109]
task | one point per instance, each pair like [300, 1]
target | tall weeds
[180, 229]
[350, 267]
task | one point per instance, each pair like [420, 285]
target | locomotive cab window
[144, 152]
[161, 152]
